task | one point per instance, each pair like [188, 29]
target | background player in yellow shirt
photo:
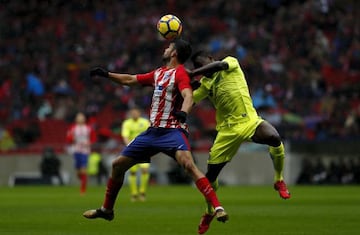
[237, 121]
[131, 128]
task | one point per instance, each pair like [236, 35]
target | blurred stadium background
[301, 59]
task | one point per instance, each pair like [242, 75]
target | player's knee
[274, 139]
[115, 166]
[118, 165]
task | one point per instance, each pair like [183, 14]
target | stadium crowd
[301, 59]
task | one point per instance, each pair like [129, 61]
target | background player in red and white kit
[81, 136]
[171, 101]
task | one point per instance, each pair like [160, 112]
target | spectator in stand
[35, 85]
[45, 110]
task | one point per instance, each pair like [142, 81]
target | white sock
[219, 208]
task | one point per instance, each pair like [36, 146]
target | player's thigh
[229, 140]
[141, 149]
[225, 146]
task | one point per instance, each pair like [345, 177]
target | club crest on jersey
[166, 76]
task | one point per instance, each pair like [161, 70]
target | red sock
[83, 182]
[205, 188]
[111, 193]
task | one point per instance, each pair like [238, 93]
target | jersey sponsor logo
[158, 91]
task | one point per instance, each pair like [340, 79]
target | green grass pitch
[172, 210]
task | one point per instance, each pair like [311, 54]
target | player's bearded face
[168, 52]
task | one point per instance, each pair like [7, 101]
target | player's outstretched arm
[120, 78]
[123, 79]
[209, 69]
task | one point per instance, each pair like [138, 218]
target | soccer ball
[169, 26]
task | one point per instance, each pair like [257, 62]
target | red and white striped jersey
[168, 83]
[81, 137]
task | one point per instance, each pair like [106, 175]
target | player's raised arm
[120, 78]
[209, 69]
[205, 64]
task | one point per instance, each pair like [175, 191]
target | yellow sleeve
[232, 62]
[200, 93]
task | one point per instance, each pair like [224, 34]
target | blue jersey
[155, 140]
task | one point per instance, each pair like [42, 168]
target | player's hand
[181, 116]
[98, 71]
[195, 84]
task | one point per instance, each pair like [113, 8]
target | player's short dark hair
[199, 53]
[183, 50]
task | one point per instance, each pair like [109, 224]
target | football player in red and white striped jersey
[81, 136]
[168, 133]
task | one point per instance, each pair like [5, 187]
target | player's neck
[173, 63]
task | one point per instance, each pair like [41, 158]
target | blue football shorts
[155, 140]
[81, 160]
